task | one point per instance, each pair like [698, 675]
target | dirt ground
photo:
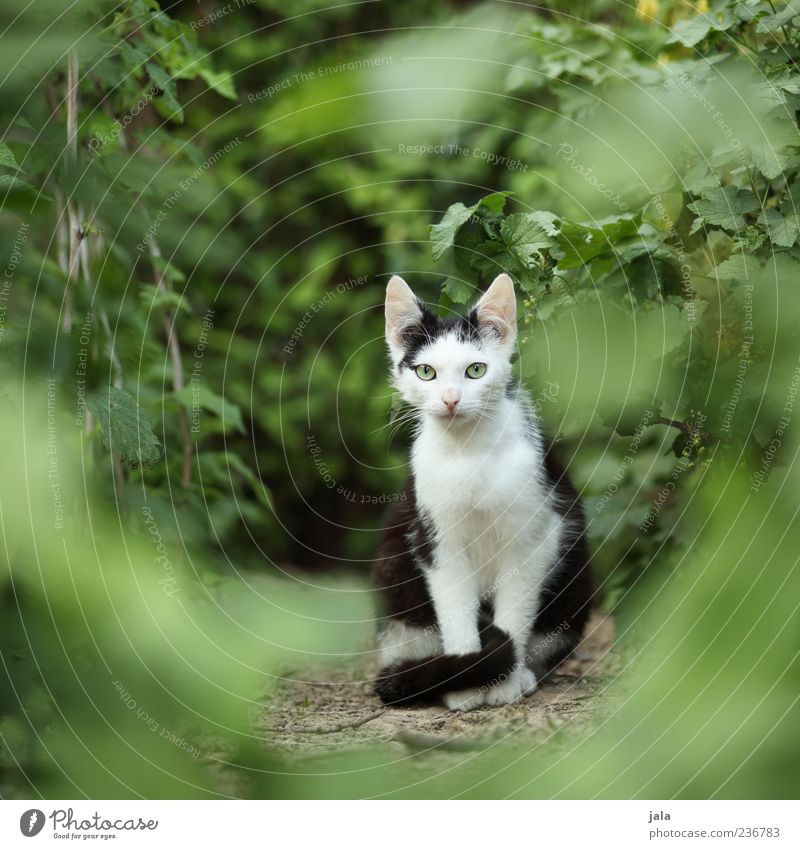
[333, 709]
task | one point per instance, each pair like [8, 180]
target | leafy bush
[200, 214]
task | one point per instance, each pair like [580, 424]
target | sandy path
[335, 708]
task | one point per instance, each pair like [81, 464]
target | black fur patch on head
[431, 327]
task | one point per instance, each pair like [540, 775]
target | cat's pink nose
[450, 397]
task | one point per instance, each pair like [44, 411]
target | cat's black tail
[407, 682]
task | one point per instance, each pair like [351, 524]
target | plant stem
[684, 426]
[173, 345]
[178, 380]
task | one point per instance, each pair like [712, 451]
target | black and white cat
[483, 567]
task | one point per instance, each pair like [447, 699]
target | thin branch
[73, 231]
[73, 214]
[116, 365]
[178, 379]
[72, 105]
[62, 232]
[684, 426]
[66, 234]
[690, 430]
[173, 343]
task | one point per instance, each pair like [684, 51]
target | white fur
[399, 641]
[478, 475]
[518, 683]
[498, 534]
[465, 700]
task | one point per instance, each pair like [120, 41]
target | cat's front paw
[465, 700]
[519, 683]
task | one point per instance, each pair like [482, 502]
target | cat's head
[454, 369]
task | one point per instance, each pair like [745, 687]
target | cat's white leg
[465, 700]
[515, 604]
[511, 687]
[456, 600]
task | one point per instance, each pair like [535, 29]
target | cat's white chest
[488, 508]
[480, 499]
[492, 481]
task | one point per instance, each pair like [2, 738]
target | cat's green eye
[476, 370]
[425, 372]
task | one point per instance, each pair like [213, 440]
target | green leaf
[443, 234]
[786, 80]
[699, 177]
[782, 231]
[491, 256]
[773, 23]
[154, 297]
[457, 290]
[256, 484]
[524, 238]
[169, 271]
[19, 193]
[749, 240]
[169, 98]
[7, 158]
[127, 430]
[724, 207]
[494, 202]
[580, 243]
[10, 183]
[132, 56]
[693, 30]
[772, 155]
[220, 81]
[199, 396]
[768, 95]
[739, 267]
[548, 221]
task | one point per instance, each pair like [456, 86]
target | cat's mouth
[450, 415]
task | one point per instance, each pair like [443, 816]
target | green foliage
[126, 429]
[126, 658]
[724, 207]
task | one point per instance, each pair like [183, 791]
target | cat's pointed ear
[497, 309]
[402, 311]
